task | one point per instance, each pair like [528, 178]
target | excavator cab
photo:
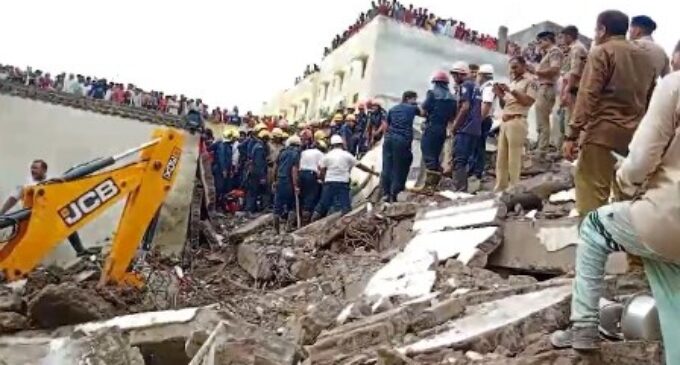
[55, 209]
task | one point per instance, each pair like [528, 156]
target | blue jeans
[431, 146]
[310, 189]
[479, 162]
[397, 158]
[334, 194]
[284, 198]
[464, 147]
[609, 229]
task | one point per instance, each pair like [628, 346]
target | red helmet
[440, 76]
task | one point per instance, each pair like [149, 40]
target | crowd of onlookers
[417, 17]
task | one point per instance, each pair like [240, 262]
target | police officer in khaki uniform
[547, 72]
[573, 69]
[641, 29]
[516, 99]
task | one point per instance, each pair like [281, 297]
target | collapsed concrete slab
[103, 347]
[482, 322]
[545, 246]
[251, 227]
[457, 214]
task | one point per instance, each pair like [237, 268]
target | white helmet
[293, 140]
[460, 67]
[336, 139]
[486, 69]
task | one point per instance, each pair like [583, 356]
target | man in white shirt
[39, 175]
[335, 168]
[310, 187]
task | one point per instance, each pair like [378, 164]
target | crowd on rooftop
[417, 17]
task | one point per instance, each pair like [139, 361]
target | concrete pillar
[502, 39]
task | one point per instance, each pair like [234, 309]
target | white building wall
[396, 58]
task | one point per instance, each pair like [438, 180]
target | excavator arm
[56, 209]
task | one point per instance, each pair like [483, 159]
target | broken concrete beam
[11, 322]
[194, 229]
[251, 227]
[337, 228]
[205, 173]
[547, 184]
[464, 213]
[541, 246]
[397, 236]
[401, 210]
[234, 341]
[482, 325]
[211, 236]
[105, 347]
[71, 303]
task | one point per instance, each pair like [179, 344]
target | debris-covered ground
[444, 279]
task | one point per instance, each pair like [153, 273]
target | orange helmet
[440, 76]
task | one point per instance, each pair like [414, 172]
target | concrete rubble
[449, 279]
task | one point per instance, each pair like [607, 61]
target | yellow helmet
[322, 144]
[285, 135]
[277, 133]
[337, 117]
[263, 134]
[319, 135]
[259, 127]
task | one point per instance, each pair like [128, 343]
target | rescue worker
[256, 171]
[376, 119]
[547, 72]
[397, 155]
[307, 138]
[362, 125]
[336, 123]
[467, 130]
[287, 188]
[647, 226]
[576, 60]
[310, 187]
[641, 29]
[243, 149]
[349, 134]
[275, 146]
[319, 136]
[460, 72]
[334, 170]
[516, 99]
[607, 120]
[485, 82]
[440, 109]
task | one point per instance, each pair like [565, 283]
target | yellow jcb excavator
[55, 209]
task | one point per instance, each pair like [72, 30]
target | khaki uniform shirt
[652, 169]
[551, 59]
[613, 94]
[577, 58]
[658, 55]
[525, 84]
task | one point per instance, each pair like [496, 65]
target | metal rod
[134, 150]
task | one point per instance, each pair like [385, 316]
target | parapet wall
[65, 130]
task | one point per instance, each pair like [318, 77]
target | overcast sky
[241, 52]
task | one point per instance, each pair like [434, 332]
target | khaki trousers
[513, 135]
[545, 101]
[595, 178]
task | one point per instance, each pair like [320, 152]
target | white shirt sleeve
[323, 162]
[351, 160]
[488, 95]
[17, 193]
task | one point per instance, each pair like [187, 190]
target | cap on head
[293, 141]
[460, 67]
[336, 140]
[486, 69]
[440, 76]
[277, 133]
[337, 117]
[644, 22]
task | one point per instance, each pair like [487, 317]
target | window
[364, 62]
[355, 99]
[341, 78]
[325, 91]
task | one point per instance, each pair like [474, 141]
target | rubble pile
[447, 279]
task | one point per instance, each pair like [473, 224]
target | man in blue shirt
[440, 109]
[397, 156]
[348, 132]
[467, 129]
[256, 175]
[376, 117]
[362, 126]
[286, 184]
